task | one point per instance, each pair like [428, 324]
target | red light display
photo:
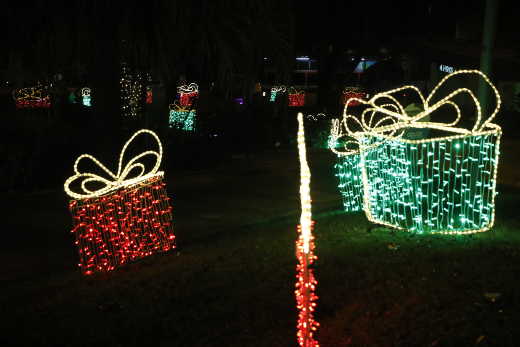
[149, 95]
[187, 99]
[305, 292]
[296, 99]
[352, 92]
[32, 97]
[128, 224]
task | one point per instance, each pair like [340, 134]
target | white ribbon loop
[392, 120]
[190, 88]
[121, 178]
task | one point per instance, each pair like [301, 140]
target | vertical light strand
[305, 281]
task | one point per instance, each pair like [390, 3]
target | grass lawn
[231, 281]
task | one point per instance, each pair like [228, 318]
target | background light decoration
[274, 91]
[131, 92]
[85, 95]
[296, 97]
[350, 93]
[32, 97]
[441, 184]
[188, 94]
[305, 280]
[182, 118]
[149, 95]
[129, 217]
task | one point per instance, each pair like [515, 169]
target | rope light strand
[119, 179]
[305, 280]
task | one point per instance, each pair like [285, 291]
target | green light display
[348, 171]
[433, 186]
[273, 96]
[182, 119]
[443, 181]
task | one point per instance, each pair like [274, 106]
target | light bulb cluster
[182, 118]
[296, 97]
[305, 281]
[188, 94]
[32, 97]
[440, 184]
[132, 91]
[352, 93]
[128, 218]
[275, 90]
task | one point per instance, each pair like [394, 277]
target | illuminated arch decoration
[188, 94]
[296, 97]
[275, 90]
[305, 281]
[126, 217]
[85, 96]
[352, 93]
[32, 97]
[182, 118]
[444, 184]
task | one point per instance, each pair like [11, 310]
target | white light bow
[278, 89]
[85, 91]
[120, 179]
[37, 93]
[190, 88]
[395, 120]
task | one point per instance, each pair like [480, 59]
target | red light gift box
[296, 98]
[32, 97]
[128, 218]
[352, 93]
[188, 94]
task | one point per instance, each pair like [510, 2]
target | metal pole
[486, 56]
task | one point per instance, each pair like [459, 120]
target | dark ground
[231, 281]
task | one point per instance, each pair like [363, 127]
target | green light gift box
[181, 118]
[442, 183]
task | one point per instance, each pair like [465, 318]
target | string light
[348, 170]
[439, 184]
[296, 98]
[131, 92]
[352, 92]
[316, 117]
[188, 93]
[127, 219]
[85, 95]
[305, 280]
[32, 97]
[181, 118]
[275, 90]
